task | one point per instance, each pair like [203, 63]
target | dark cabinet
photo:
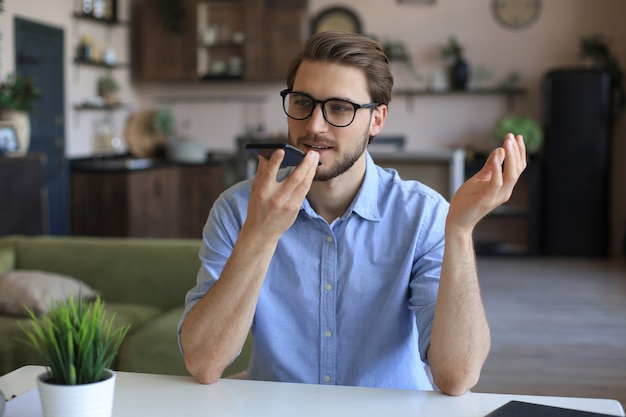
[169, 202]
[219, 39]
[271, 46]
[578, 129]
[163, 42]
[23, 195]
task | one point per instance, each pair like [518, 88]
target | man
[340, 269]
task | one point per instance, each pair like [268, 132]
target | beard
[345, 161]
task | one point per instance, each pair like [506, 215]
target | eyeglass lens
[338, 113]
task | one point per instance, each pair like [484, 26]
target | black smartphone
[293, 155]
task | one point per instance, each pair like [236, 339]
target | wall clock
[516, 14]
[336, 18]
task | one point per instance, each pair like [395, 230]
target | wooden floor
[558, 327]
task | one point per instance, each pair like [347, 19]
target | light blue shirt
[350, 303]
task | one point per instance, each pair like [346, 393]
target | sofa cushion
[154, 349]
[12, 351]
[37, 290]
[7, 259]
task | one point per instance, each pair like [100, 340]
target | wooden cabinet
[220, 39]
[23, 195]
[171, 201]
[163, 42]
[275, 32]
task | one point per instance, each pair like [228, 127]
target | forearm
[460, 337]
[216, 327]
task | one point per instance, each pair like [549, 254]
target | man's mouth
[317, 147]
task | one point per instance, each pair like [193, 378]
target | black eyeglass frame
[356, 106]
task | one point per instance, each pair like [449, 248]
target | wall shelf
[100, 64]
[108, 107]
[475, 92]
[104, 21]
[510, 93]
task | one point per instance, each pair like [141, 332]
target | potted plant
[594, 50]
[17, 95]
[528, 127]
[459, 71]
[77, 343]
[107, 89]
[164, 123]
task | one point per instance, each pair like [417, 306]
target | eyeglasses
[337, 112]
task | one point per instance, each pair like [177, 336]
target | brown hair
[349, 49]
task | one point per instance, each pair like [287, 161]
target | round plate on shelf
[336, 18]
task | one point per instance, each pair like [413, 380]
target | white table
[151, 395]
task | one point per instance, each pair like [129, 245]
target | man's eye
[339, 107]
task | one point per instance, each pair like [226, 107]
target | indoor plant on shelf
[17, 95]
[77, 343]
[107, 89]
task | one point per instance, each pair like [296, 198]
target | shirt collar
[365, 204]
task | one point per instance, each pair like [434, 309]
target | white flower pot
[94, 400]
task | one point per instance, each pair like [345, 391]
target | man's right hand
[274, 205]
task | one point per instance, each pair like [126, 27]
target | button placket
[328, 308]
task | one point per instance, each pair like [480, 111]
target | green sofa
[142, 281]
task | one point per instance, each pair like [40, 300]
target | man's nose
[317, 122]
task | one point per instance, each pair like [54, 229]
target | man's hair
[353, 50]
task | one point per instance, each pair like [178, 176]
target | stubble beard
[345, 162]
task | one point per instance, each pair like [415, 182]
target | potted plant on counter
[77, 343]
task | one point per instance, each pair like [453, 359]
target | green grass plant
[75, 340]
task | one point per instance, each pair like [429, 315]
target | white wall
[427, 122]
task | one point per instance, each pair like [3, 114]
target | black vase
[459, 75]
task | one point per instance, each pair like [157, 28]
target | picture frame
[8, 138]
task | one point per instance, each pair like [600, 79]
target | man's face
[339, 147]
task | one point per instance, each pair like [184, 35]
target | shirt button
[328, 287]
[327, 378]
[328, 333]
[329, 239]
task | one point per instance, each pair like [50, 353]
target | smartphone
[293, 155]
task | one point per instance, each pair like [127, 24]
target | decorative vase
[94, 400]
[459, 75]
[21, 121]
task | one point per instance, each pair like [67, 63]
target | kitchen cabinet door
[275, 32]
[159, 51]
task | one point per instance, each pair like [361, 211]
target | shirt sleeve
[218, 240]
[426, 270]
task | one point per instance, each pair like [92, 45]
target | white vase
[21, 122]
[94, 400]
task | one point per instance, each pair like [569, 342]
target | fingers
[515, 157]
[297, 183]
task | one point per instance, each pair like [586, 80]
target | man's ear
[379, 115]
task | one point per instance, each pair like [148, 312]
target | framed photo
[8, 138]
